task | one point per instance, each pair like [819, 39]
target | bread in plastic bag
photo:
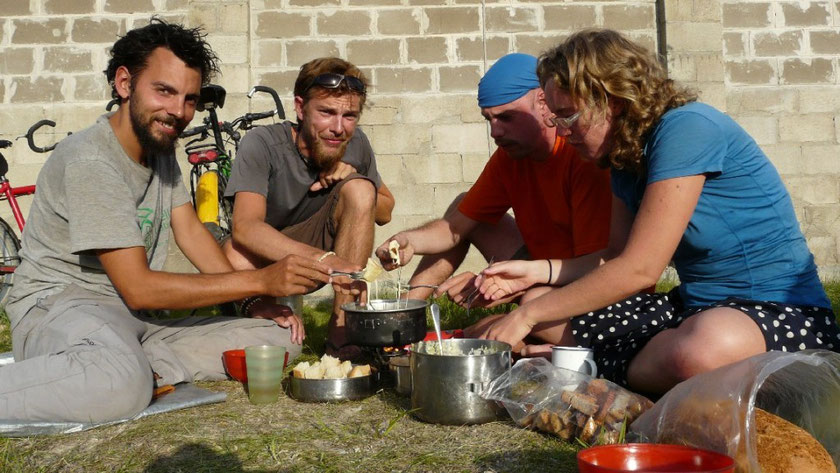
[565, 403]
[717, 410]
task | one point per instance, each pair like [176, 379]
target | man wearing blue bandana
[561, 203]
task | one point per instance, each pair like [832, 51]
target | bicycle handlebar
[278, 106]
[244, 122]
[194, 131]
[30, 136]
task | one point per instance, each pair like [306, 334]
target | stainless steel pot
[400, 367]
[445, 388]
[326, 390]
[386, 322]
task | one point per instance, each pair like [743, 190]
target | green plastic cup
[264, 365]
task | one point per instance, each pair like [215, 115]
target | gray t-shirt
[268, 163]
[91, 195]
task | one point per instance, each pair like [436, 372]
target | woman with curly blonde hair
[689, 186]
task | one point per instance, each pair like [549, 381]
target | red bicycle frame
[10, 193]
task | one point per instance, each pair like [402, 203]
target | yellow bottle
[207, 197]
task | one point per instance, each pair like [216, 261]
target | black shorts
[619, 331]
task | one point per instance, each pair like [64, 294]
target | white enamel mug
[574, 358]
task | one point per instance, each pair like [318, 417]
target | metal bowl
[385, 322]
[327, 390]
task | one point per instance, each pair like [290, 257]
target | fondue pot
[446, 387]
[385, 322]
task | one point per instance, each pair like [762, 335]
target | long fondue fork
[474, 292]
[436, 322]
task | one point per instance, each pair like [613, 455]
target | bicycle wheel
[225, 207]
[9, 259]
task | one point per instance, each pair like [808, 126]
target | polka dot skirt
[619, 331]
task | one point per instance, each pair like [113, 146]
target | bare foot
[338, 346]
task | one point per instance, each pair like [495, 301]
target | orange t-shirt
[561, 205]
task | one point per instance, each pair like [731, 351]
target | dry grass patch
[377, 434]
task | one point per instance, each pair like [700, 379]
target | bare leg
[554, 333]
[353, 214]
[498, 241]
[703, 342]
[240, 258]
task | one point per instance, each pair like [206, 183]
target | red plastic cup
[234, 361]
[652, 457]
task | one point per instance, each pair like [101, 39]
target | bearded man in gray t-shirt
[95, 242]
[311, 188]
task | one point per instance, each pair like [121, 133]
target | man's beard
[323, 157]
[142, 125]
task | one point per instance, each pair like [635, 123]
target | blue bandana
[511, 77]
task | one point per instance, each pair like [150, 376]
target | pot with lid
[446, 387]
[385, 322]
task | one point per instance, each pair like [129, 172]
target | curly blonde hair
[594, 65]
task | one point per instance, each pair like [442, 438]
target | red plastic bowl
[444, 335]
[652, 457]
[234, 361]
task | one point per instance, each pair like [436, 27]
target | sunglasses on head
[333, 81]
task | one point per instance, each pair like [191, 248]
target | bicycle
[211, 162]
[9, 241]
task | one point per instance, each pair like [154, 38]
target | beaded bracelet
[245, 307]
[329, 253]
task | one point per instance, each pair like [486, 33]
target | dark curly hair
[594, 65]
[188, 44]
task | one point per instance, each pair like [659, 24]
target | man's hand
[294, 275]
[406, 251]
[511, 277]
[327, 178]
[283, 316]
[343, 284]
[462, 289]
[459, 288]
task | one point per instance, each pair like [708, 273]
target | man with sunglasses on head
[311, 188]
[560, 202]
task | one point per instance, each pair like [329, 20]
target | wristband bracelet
[247, 303]
[550, 271]
[325, 255]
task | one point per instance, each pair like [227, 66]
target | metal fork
[352, 275]
[474, 293]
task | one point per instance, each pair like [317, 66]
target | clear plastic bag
[716, 410]
[565, 403]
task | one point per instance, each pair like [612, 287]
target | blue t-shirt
[743, 239]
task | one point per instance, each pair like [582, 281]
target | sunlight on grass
[5, 333]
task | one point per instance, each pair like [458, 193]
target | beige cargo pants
[83, 357]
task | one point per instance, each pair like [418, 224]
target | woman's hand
[512, 328]
[511, 277]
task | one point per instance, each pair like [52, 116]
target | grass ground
[377, 434]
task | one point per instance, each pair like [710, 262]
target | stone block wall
[773, 65]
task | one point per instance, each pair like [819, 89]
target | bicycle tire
[225, 207]
[9, 252]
